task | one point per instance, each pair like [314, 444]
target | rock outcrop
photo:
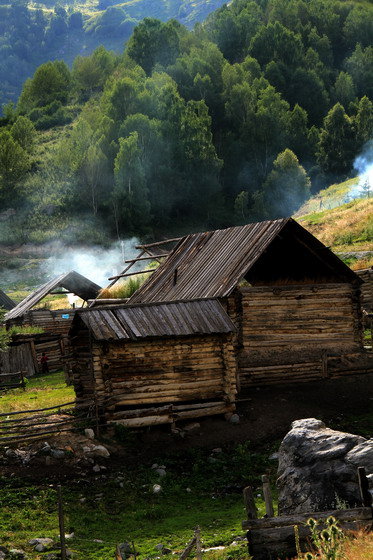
[318, 468]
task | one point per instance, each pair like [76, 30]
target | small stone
[154, 466]
[193, 426]
[83, 500]
[157, 488]
[96, 468]
[89, 433]
[98, 451]
[57, 453]
[161, 472]
[234, 419]
[17, 554]
[217, 450]
[43, 540]
[159, 547]
[188, 490]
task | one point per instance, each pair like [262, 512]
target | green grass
[41, 392]
[125, 508]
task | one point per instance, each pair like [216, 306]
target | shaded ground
[265, 417]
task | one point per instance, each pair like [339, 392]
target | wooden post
[197, 534]
[187, 550]
[248, 498]
[366, 497]
[267, 496]
[61, 523]
[118, 555]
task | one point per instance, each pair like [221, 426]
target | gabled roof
[156, 320]
[210, 264]
[5, 301]
[72, 282]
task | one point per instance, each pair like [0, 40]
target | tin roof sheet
[72, 281]
[5, 301]
[182, 318]
[210, 264]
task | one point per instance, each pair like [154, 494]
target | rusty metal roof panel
[72, 282]
[210, 264]
[157, 320]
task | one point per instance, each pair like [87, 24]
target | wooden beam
[159, 243]
[147, 258]
[115, 278]
[132, 273]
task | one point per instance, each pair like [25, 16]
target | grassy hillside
[346, 228]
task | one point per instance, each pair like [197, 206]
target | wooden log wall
[289, 332]
[18, 357]
[159, 380]
[366, 289]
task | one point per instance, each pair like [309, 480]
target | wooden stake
[197, 534]
[118, 555]
[61, 523]
[248, 498]
[187, 550]
[267, 496]
[366, 498]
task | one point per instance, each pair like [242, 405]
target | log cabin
[294, 310]
[155, 363]
[55, 324]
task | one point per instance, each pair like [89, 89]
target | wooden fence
[28, 425]
[275, 537]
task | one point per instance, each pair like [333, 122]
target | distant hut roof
[210, 264]
[72, 281]
[5, 301]
[181, 318]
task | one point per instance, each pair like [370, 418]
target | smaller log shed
[55, 323]
[155, 363]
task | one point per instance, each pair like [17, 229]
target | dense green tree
[364, 121]
[287, 186]
[130, 198]
[360, 66]
[344, 89]
[14, 163]
[154, 42]
[51, 82]
[337, 144]
[23, 132]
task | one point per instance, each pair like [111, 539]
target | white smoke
[95, 263]
[364, 167]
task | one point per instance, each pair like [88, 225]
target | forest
[33, 33]
[239, 119]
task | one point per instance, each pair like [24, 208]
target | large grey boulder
[318, 468]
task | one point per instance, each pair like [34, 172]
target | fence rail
[14, 380]
[28, 425]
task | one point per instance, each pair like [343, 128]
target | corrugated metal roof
[5, 301]
[71, 281]
[210, 264]
[157, 320]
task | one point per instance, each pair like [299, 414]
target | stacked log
[154, 381]
[288, 332]
[366, 275]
